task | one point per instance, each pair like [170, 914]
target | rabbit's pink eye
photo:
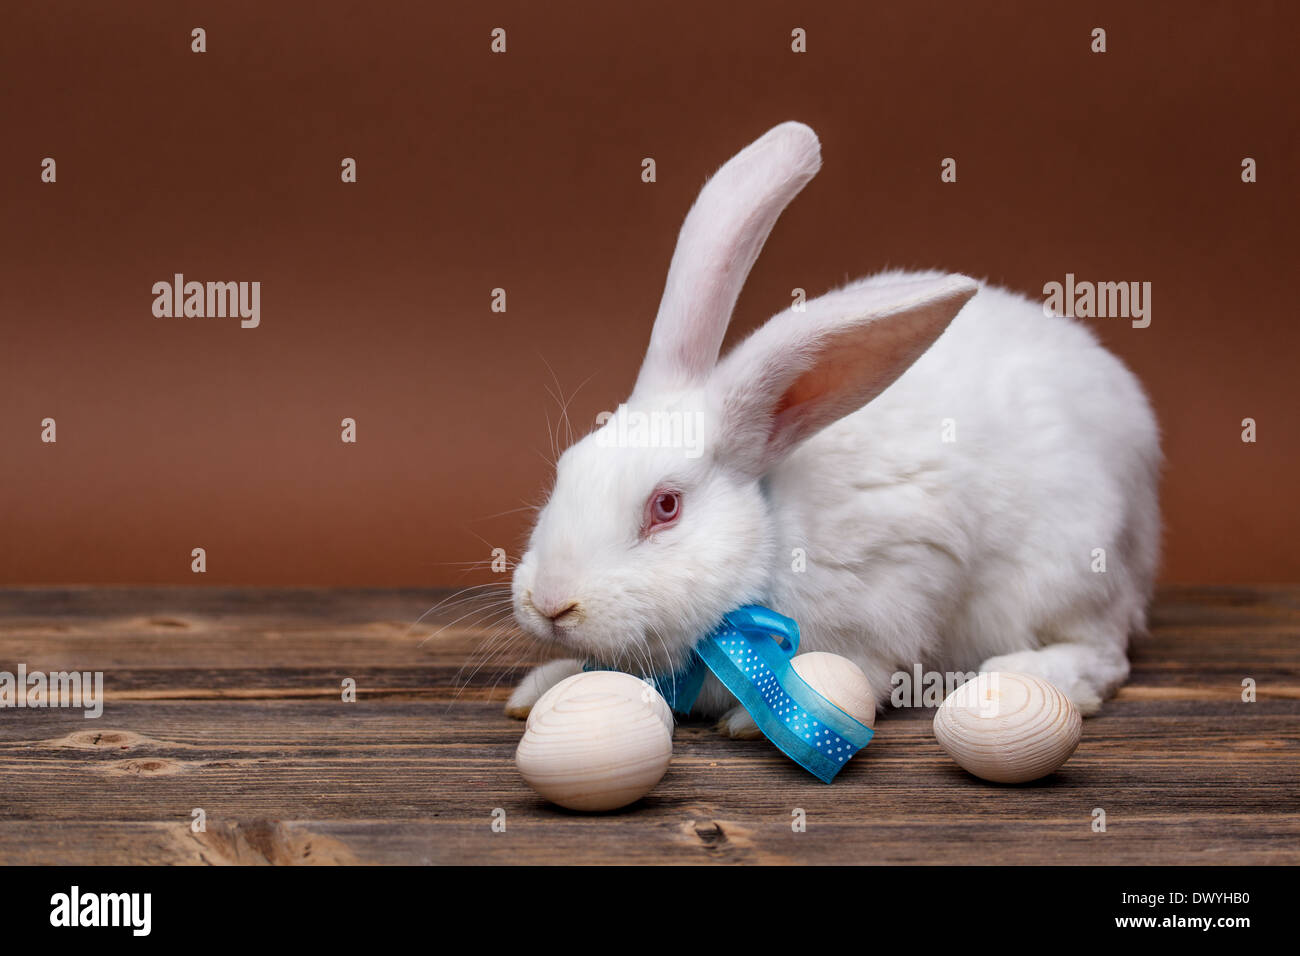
[664, 507]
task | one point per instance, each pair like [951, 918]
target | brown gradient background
[523, 171]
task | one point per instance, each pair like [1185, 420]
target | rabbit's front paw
[739, 724]
[538, 682]
[1059, 670]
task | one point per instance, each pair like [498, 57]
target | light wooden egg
[596, 741]
[1008, 728]
[840, 681]
[615, 682]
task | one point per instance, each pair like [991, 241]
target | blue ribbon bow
[750, 653]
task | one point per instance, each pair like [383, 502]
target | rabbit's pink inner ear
[852, 365]
[718, 243]
[800, 373]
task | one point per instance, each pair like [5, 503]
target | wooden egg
[616, 682]
[1008, 728]
[596, 741]
[840, 681]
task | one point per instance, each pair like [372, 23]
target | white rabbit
[945, 457]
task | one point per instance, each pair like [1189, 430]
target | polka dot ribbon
[750, 653]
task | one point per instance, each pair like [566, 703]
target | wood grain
[230, 701]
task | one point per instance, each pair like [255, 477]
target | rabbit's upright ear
[801, 371]
[718, 243]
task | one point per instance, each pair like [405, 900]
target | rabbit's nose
[561, 613]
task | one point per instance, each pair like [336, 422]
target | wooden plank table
[230, 701]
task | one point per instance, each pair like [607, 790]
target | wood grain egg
[1008, 728]
[840, 681]
[615, 682]
[596, 741]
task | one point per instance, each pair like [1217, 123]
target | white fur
[825, 433]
